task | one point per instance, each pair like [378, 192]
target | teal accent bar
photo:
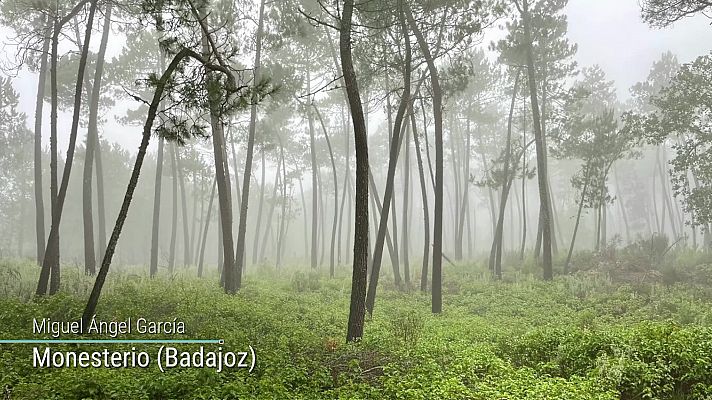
[112, 341]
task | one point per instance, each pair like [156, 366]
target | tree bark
[153, 269]
[438, 117]
[39, 106]
[232, 275]
[357, 308]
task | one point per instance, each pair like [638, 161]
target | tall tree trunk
[174, 210]
[465, 191]
[92, 139]
[242, 227]
[51, 260]
[313, 257]
[540, 150]
[184, 211]
[232, 275]
[39, 105]
[357, 308]
[438, 117]
[406, 193]
[153, 269]
[424, 199]
[100, 197]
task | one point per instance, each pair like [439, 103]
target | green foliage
[574, 338]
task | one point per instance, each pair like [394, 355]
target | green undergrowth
[574, 338]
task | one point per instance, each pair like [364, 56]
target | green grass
[574, 338]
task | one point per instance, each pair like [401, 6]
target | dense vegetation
[585, 336]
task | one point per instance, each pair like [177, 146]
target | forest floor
[574, 338]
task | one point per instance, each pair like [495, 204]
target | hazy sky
[609, 33]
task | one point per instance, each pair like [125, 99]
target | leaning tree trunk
[438, 117]
[39, 105]
[90, 309]
[242, 226]
[51, 260]
[357, 308]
